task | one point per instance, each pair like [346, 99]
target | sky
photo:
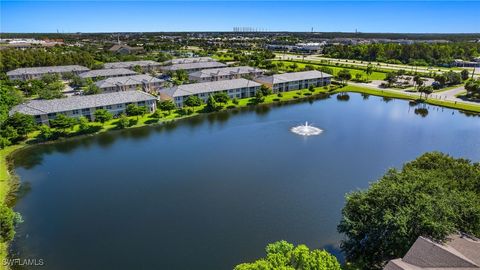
[158, 16]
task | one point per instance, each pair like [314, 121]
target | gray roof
[224, 71]
[207, 87]
[131, 64]
[127, 80]
[189, 60]
[199, 65]
[108, 72]
[459, 252]
[294, 76]
[39, 107]
[45, 70]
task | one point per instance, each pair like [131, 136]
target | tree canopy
[416, 54]
[282, 255]
[432, 196]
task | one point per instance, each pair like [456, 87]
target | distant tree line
[417, 54]
[62, 55]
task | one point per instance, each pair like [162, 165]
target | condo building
[146, 65]
[76, 106]
[227, 73]
[106, 73]
[192, 67]
[127, 83]
[295, 80]
[236, 88]
[25, 74]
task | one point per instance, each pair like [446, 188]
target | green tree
[102, 115]
[311, 88]
[221, 97]
[265, 90]
[8, 220]
[123, 122]
[166, 105]
[212, 105]
[473, 87]
[92, 89]
[344, 75]
[441, 79]
[193, 101]
[369, 71]
[46, 133]
[51, 78]
[137, 69]
[181, 75]
[391, 78]
[63, 122]
[282, 255]
[432, 196]
[22, 123]
[9, 97]
[134, 110]
[464, 74]
[258, 97]
[453, 77]
[52, 90]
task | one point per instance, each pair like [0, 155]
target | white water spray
[306, 130]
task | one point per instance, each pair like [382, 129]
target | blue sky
[151, 16]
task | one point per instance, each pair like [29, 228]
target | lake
[212, 191]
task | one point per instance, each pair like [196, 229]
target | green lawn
[374, 76]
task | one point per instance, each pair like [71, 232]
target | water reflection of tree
[422, 111]
[262, 110]
[387, 99]
[343, 97]
[365, 96]
[470, 114]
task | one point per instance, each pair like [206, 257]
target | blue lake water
[210, 192]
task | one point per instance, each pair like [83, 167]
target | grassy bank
[5, 184]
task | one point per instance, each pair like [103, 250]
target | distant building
[459, 252]
[24, 74]
[76, 106]
[192, 67]
[189, 60]
[237, 88]
[146, 65]
[227, 73]
[127, 83]
[463, 63]
[106, 73]
[295, 80]
[125, 49]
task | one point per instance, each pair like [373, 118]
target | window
[109, 107]
[86, 111]
[119, 106]
[52, 115]
[75, 112]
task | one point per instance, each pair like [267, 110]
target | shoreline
[7, 174]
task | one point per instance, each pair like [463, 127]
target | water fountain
[306, 130]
